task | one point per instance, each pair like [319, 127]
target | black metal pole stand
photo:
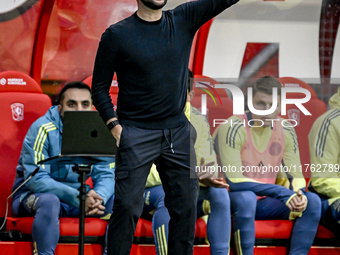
[82, 171]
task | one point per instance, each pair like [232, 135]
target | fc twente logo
[17, 111]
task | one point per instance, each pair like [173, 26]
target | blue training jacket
[43, 140]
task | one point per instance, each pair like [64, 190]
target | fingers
[88, 202]
[305, 203]
[219, 183]
[210, 163]
[202, 161]
[90, 193]
[290, 206]
[205, 175]
[95, 208]
[96, 196]
[216, 183]
[93, 194]
[116, 132]
[101, 207]
[95, 211]
[297, 203]
[221, 180]
[97, 203]
[299, 192]
[98, 210]
[205, 171]
[302, 205]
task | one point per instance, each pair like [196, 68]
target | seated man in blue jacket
[53, 191]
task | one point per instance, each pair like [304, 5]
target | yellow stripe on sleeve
[40, 140]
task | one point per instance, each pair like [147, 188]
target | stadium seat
[25, 248]
[113, 89]
[68, 226]
[22, 102]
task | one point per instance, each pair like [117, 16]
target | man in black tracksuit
[149, 51]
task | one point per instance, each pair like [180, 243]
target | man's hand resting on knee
[298, 203]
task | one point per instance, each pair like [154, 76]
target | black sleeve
[103, 72]
[199, 12]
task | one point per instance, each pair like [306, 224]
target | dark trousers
[246, 208]
[47, 209]
[173, 153]
[330, 215]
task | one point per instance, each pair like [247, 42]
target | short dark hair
[72, 85]
[266, 84]
[190, 80]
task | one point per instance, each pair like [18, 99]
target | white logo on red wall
[16, 81]
[3, 81]
[17, 111]
[295, 115]
[13, 81]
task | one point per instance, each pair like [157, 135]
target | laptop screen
[85, 133]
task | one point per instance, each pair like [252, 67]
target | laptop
[86, 140]
[85, 133]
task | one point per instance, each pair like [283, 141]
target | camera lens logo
[94, 134]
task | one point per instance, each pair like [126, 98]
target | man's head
[75, 96]
[154, 4]
[191, 93]
[263, 98]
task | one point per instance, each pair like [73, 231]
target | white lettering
[238, 100]
[262, 112]
[297, 101]
[219, 122]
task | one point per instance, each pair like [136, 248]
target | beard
[153, 5]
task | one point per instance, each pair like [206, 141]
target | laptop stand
[86, 161]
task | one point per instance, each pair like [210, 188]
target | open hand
[204, 171]
[215, 182]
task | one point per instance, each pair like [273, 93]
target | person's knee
[220, 198]
[313, 205]
[159, 200]
[48, 205]
[243, 203]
